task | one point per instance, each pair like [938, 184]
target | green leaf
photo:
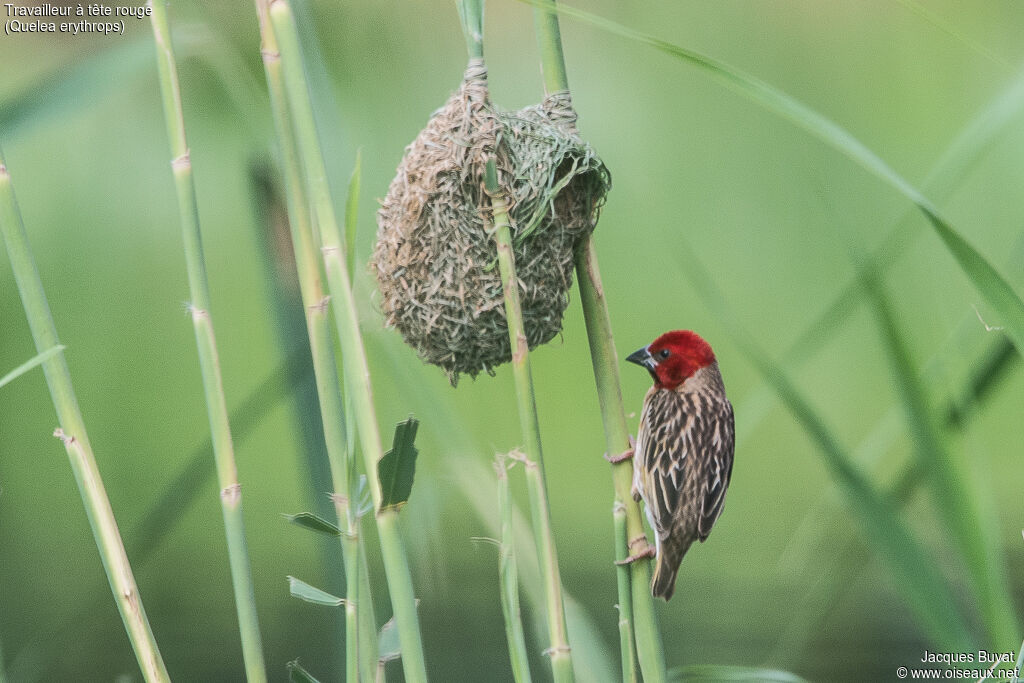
[29, 364]
[355, 183]
[388, 644]
[996, 290]
[952, 32]
[959, 157]
[296, 674]
[731, 673]
[303, 591]
[313, 522]
[398, 466]
[992, 286]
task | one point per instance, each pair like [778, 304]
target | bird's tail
[666, 566]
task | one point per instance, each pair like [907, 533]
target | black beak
[642, 357]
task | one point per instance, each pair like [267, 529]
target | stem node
[183, 162]
[68, 439]
[231, 494]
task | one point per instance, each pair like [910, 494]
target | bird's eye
[663, 353]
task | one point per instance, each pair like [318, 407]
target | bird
[683, 455]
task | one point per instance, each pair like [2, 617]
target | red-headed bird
[682, 461]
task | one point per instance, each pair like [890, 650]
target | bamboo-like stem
[547, 556]
[508, 576]
[354, 362]
[616, 433]
[76, 441]
[360, 623]
[549, 40]
[627, 639]
[209, 363]
[609, 389]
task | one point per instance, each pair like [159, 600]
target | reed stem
[76, 441]
[354, 362]
[209, 363]
[561, 659]
[627, 639]
[508, 575]
[606, 375]
[360, 623]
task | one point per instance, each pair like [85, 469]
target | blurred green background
[786, 581]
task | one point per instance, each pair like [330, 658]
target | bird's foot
[624, 455]
[639, 549]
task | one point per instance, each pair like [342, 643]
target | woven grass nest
[436, 263]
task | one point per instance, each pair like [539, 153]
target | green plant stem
[356, 367]
[360, 623]
[76, 441]
[609, 389]
[471, 15]
[549, 40]
[627, 639]
[613, 414]
[561, 660]
[508, 575]
[209, 363]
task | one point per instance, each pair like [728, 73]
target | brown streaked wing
[664, 446]
[720, 434]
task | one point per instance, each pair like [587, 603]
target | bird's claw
[624, 455]
[645, 551]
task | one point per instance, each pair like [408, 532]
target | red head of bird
[673, 357]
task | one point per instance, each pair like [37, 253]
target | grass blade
[29, 364]
[313, 522]
[930, 17]
[992, 286]
[920, 581]
[85, 80]
[303, 591]
[844, 564]
[954, 496]
[957, 159]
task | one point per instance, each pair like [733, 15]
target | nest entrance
[436, 264]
